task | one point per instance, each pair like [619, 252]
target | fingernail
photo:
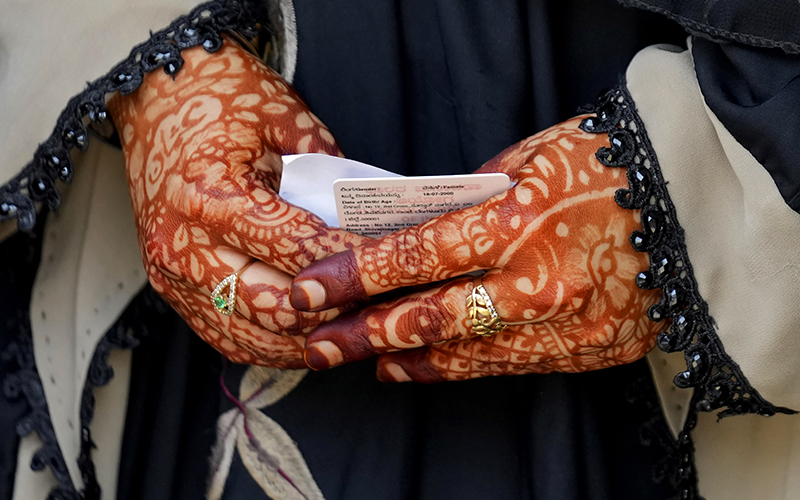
[323, 354]
[395, 373]
[308, 295]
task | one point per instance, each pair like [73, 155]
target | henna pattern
[202, 153]
[557, 256]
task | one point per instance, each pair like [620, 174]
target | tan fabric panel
[30, 484]
[748, 457]
[90, 270]
[744, 244]
[49, 49]
[743, 240]
[675, 402]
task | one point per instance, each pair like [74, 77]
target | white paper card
[307, 181]
[375, 207]
[373, 202]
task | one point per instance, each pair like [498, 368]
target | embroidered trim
[25, 382]
[717, 35]
[36, 183]
[203, 26]
[677, 463]
[718, 381]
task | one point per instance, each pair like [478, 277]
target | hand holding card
[559, 273]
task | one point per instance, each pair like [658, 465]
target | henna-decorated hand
[557, 256]
[203, 161]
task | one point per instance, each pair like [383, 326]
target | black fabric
[424, 87]
[771, 24]
[755, 93]
[555, 437]
[19, 258]
[173, 406]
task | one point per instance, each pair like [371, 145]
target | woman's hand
[558, 262]
[203, 155]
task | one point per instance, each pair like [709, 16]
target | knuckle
[433, 321]
[408, 255]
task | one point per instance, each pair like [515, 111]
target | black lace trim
[25, 382]
[203, 26]
[676, 465]
[36, 183]
[718, 381]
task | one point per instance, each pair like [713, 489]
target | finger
[532, 349]
[284, 354]
[233, 336]
[262, 292]
[449, 245]
[266, 345]
[475, 358]
[412, 321]
[240, 211]
[205, 147]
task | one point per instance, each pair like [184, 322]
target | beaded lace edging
[24, 381]
[36, 183]
[203, 26]
[718, 381]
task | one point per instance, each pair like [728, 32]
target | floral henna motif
[203, 156]
[557, 256]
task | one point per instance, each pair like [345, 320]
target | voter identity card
[378, 206]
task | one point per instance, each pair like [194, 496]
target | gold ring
[226, 305]
[485, 320]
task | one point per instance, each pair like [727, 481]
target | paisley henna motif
[203, 159]
[557, 256]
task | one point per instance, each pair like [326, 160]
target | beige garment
[90, 270]
[91, 266]
[49, 49]
[744, 243]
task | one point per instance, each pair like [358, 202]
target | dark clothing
[424, 87]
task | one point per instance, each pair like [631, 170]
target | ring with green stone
[224, 295]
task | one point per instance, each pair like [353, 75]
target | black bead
[667, 342]
[82, 142]
[155, 58]
[653, 222]
[655, 313]
[639, 241]
[39, 185]
[65, 172]
[588, 124]
[605, 112]
[644, 280]
[7, 209]
[641, 181]
[662, 266]
[718, 390]
[699, 362]
[212, 44]
[684, 380]
[675, 296]
[682, 326]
